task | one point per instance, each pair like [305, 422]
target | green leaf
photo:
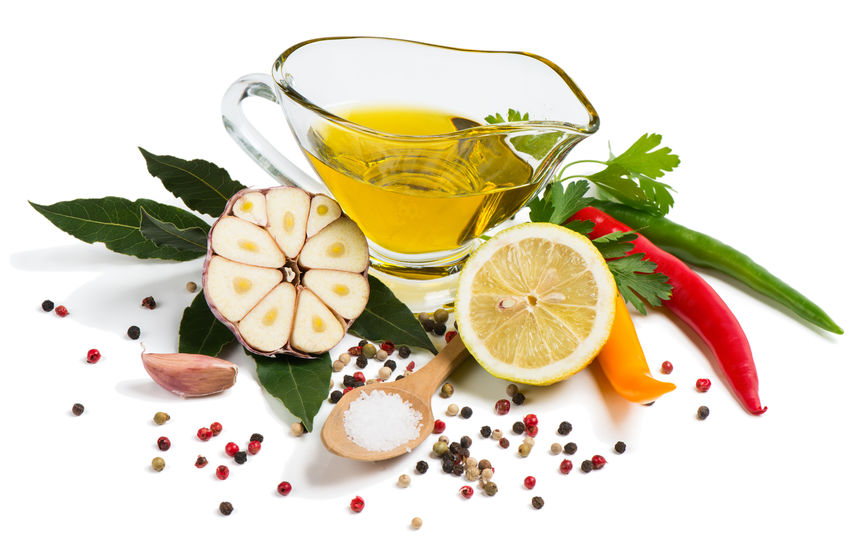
[200, 332]
[642, 158]
[537, 145]
[200, 184]
[615, 244]
[116, 222]
[194, 239]
[636, 278]
[559, 203]
[300, 384]
[581, 226]
[387, 318]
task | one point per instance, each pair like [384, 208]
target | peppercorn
[226, 508]
[231, 448]
[359, 377]
[369, 350]
[349, 380]
[598, 462]
[163, 443]
[620, 447]
[511, 389]
[297, 429]
[391, 365]
[416, 522]
[134, 332]
[496, 434]
[421, 467]
[216, 428]
[441, 316]
[337, 366]
[361, 361]
[702, 412]
[518, 398]
[531, 420]
[440, 448]
[254, 446]
[256, 437]
[439, 426]
[61, 311]
[518, 428]
[537, 502]
[501, 406]
[570, 448]
[532, 430]
[161, 417]
[484, 464]
[466, 412]
[439, 329]
[444, 439]
[447, 390]
[529, 482]
[427, 324]
[566, 466]
[381, 355]
[666, 367]
[335, 396]
[450, 336]
[157, 464]
[472, 473]
[466, 491]
[284, 487]
[201, 461]
[93, 356]
[454, 447]
[192, 287]
[587, 466]
[447, 465]
[524, 450]
[449, 455]
[410, 366]
[149, 303]
[556, 448]
[345, 358]
[528, 441]
[403, 351]
[490, 488]
[464, 452]
[404, 481]
[203, 434]
[457, 469]
[703, 385]
[452, 410]
[485, 431]
[78, 409]
[222, 472]
[466, 442]
[565, 428]
[503, 442]
[240, 457]
[48, 305]
[423, 316]
[354, 351]
[470, 462]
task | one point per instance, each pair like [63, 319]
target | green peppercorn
[369, 350]
[226, 508]
[160, 418]
[447, 390]
[441, 316]
[490, 488]
[440, 448]
[537, 502]
[524, 450]
[157, 464]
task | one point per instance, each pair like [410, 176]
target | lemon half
[535, 303]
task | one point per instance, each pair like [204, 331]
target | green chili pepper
[703, 250]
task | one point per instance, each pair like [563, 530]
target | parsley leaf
[637, 280]
[642, 158]
[614, 244]
[559, 203]
[535, 145]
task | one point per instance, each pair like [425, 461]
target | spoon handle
[428, 378]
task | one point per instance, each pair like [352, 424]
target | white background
[764, 101]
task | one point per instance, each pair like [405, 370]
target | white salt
[380, 421]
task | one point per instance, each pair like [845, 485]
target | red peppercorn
[149, 303]
[61, 311]
[201, 461]
[531, 430]
[204, 433]
[703, 384]
[357, 504]
[598, 461]
[466, 491]
[410, 366]
[284, 487]
[531, 420]
[439, 426]
[355, 351]
[449, 335]
[253, 447]
[666, 367]
[93, 356]
[529, 482]
[222, 472]
[231, 448]
[163, 443]
[359, 377]
[501, 407]
[388, 346]
[216, 428]
[504, 442]
[566, 466]
[347, 390]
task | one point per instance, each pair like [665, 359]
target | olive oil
[422, 195]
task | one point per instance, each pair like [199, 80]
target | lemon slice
[535, 303]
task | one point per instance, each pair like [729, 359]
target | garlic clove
[244, 242]
[345, 292]
[316, 328]
[287, 218]
[251, 207]
[266, 327]
[338, 246]
[190, 375]
[235, 288]
[323, 211]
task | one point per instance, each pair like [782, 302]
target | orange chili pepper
[624, 363]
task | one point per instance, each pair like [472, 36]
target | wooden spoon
[416, 389]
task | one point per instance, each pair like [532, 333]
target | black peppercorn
[449, 455]
[240, 457]
[587, 466]
[518, 428]
[454, 447]
[466, 412]
[537, 502]
[466, 442]
[256, 437]
[421, 466]
[349, 380]
[457, 469]
[483, 464]
[427, 324]
[390, 364]
[48, 305]
[226, 508]
[485, 431]
[439, 328]
[448, 466]
[149, 303]
[518, 398]
[565, 428]
[133, 332]
[77, 409]
[361, 361]
[403, 351]
[570, 448]
[335, 396]
[702, 413]
[620, 447]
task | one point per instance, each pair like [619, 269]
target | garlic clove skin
[190, 375]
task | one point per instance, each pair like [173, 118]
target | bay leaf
[161, 232]
[200, 332]
[300, 384]
[116, 222]
[200, 184]
[387, 318]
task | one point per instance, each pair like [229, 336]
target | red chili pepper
[700, 307]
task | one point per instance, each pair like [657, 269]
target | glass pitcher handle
[254, 143]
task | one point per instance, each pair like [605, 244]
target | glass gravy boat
[401, 134]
